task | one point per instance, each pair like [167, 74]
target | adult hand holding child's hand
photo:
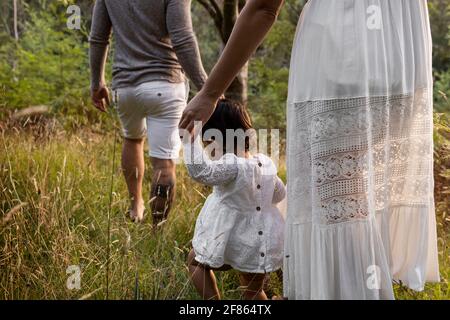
[199, 109]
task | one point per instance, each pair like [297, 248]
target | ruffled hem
[409, 234]
[342, 261]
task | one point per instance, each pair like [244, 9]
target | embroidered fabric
[361, 150]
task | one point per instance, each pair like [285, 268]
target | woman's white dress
[360, 151]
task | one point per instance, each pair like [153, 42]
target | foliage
[442, 92]
[48, 66]
[439, 11]
[268, 85]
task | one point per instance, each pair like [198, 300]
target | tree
[224, 15]
[16, 37]
[16, 31]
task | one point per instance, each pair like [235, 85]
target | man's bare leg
[162, 189]
[133, 170]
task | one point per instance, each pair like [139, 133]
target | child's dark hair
[229, 114]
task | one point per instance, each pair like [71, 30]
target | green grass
[65, 183]
[63, 180]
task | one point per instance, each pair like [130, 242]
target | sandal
[159, 218]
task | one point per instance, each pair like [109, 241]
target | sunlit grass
[61, 184]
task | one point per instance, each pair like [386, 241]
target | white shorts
[153, 108]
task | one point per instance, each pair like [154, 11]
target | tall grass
[63, 184]
[54, 207]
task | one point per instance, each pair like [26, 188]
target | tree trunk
[238, 88]
[224, 19]
[16, 32]
[16, 38]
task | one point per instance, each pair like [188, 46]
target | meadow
[64, 201]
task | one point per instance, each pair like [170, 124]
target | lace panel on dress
[363, 155]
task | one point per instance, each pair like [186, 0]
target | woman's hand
[198, 111]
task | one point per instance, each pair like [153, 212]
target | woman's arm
[251, 27]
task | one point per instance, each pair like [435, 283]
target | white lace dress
[239, 224]
[360, 151]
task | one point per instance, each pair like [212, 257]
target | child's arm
[203, 170]
[279, 192]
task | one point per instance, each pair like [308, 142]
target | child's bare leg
[203, 279]
[254, 286]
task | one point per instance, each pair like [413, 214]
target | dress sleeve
[279, 192]
[204, 170]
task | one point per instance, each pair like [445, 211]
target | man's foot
[137, 214]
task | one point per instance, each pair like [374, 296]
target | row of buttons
[259, 209]
[258, 187]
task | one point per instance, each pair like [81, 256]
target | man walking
[154, 47]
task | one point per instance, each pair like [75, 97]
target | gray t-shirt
[154, 40]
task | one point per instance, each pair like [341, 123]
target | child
[239, 226]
